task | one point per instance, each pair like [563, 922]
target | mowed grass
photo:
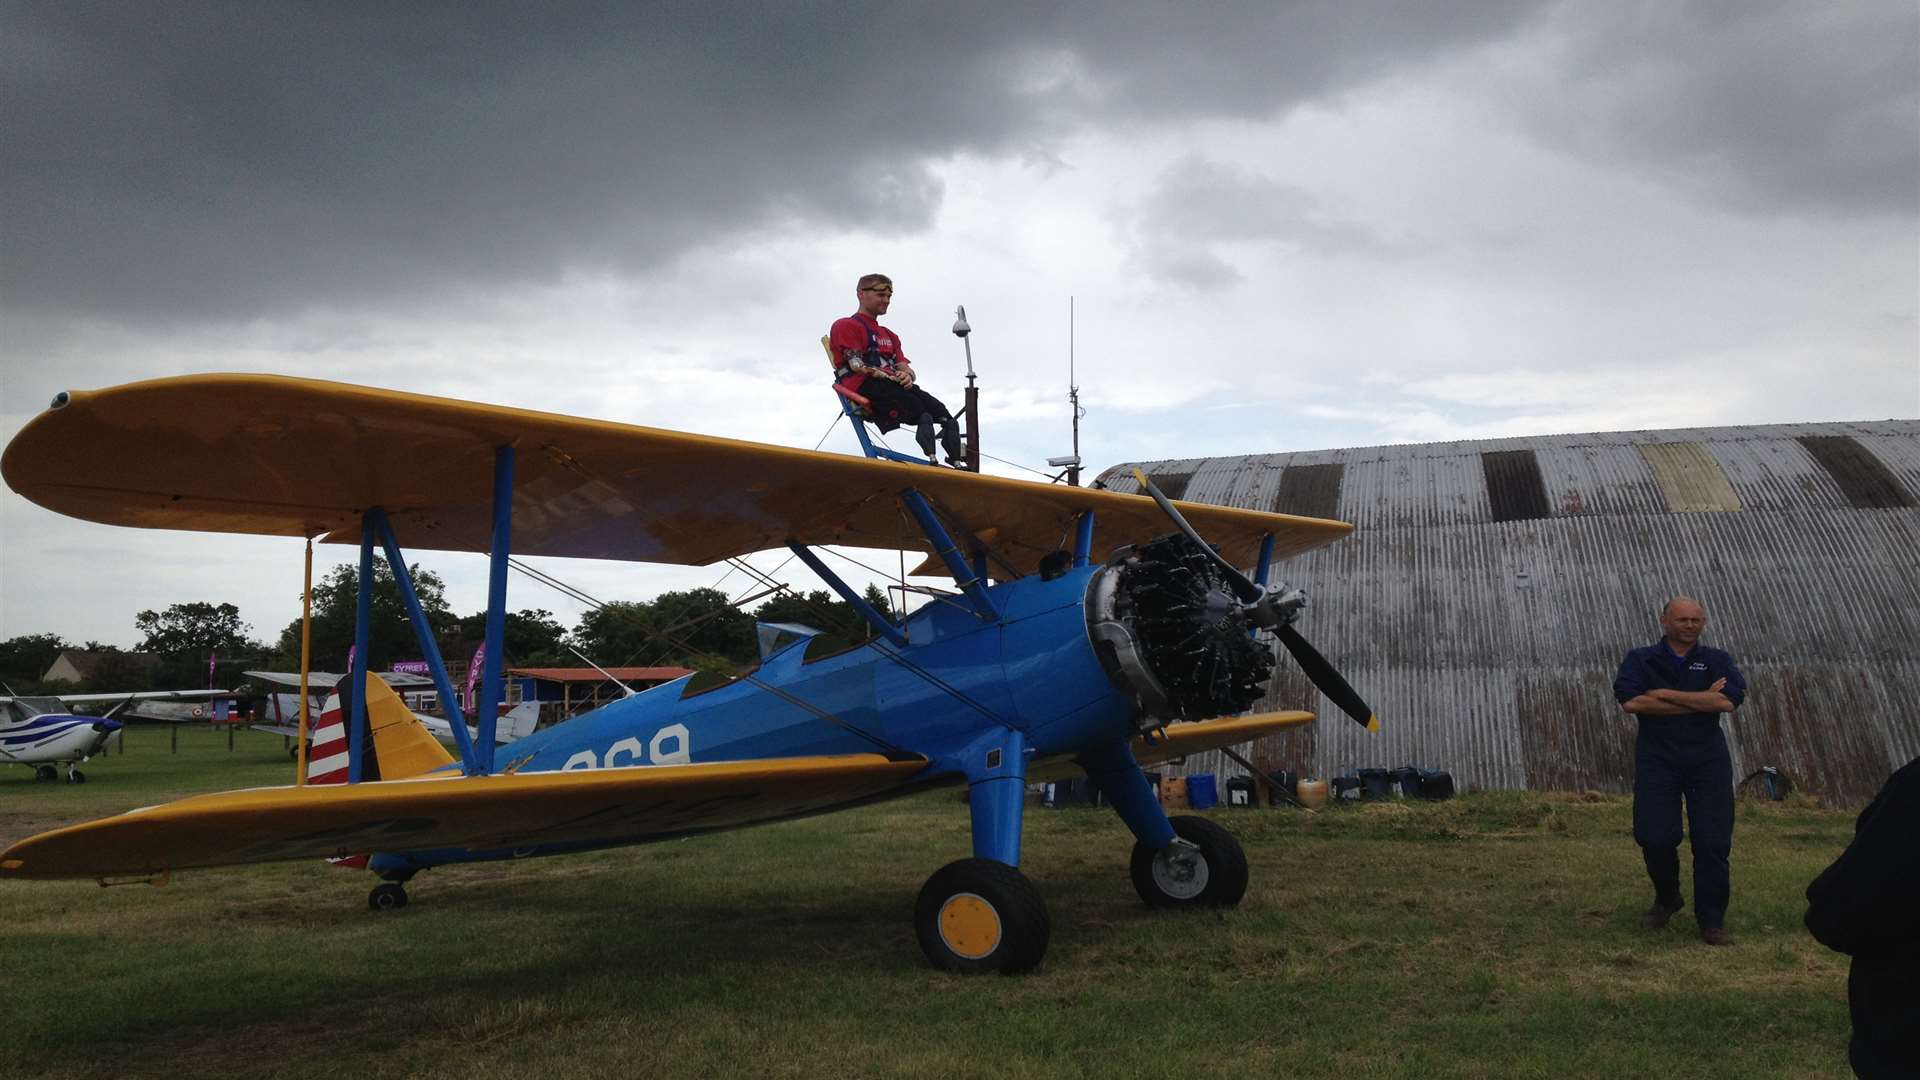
[1494, 935]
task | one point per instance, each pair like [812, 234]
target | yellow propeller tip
[1373, 723]
[1140, 475]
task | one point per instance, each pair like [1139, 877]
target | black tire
[387, 896]
[46, 772]
[75, 776]
[1213, 873]
[978, 915]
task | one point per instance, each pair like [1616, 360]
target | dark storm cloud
[236, 160]
[1198, 205]
[1781, 106]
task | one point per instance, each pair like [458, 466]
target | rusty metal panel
[1488, 648]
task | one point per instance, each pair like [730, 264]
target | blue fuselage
[960, 678]
[1034, 670]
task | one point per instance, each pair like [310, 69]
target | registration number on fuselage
[671, 745]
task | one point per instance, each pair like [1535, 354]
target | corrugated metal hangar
[1491, 587]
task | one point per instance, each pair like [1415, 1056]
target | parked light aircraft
[1085, 635]
[40, 731]
[284, 709]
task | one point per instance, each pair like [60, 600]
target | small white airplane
[515, 723]
[40, 731]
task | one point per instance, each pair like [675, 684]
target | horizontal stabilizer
[588, 806]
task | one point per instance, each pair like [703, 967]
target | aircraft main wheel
[1208, 870]
[46, 772]
[977, 915]
[75, 776]
[387, 896]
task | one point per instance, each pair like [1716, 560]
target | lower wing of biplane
[1089, 631]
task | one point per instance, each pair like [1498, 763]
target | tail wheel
[977, 915]
[1203, 867]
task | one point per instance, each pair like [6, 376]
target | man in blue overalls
[1678, 688]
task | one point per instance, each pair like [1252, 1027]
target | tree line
[694, 628]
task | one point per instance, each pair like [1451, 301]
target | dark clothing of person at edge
[1681, 755]
[872, 364]
[1867, 905]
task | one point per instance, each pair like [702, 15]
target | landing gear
[75, 776]
[387, 896]
[978, 915]
[46, 772]
[1203, 867]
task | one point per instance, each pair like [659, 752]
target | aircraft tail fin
[403, 746]
[327, 752]
[518, 722]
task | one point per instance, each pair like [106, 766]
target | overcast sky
[1283, 226]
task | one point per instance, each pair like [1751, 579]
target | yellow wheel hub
[969, 926]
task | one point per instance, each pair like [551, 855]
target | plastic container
[1241, 793]
[1203, 793]
[1311, 793]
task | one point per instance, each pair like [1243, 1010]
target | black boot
[923, 434]
[950, 439]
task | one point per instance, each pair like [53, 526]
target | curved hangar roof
[1491, 587]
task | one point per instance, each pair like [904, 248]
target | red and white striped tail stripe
[327, 760]
[327, 754]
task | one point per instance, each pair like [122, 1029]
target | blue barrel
[1202, 792]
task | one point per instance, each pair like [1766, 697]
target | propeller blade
[1328, 680]
[1243, 587]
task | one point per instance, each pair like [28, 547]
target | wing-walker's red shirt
[849, 338]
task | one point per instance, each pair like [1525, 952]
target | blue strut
[1118, 777]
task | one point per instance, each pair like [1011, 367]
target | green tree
[534, 639]
[690, 628]
[184, 635]
[390, 633]
[25, 658]
[840, 625]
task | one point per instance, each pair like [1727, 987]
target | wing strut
[967, 577]
[357, 670]
[490, 688]
[429, 649]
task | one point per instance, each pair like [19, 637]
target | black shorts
[893, 405]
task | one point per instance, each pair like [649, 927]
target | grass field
[1494, 935]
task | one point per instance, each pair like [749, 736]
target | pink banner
[473, 674]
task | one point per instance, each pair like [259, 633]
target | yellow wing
[298, 457]
[476, 813]
[1180, 740]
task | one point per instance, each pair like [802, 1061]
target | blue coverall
[1683, 756]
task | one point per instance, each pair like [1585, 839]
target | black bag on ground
[1346, 787]
[1436, 784]
[1376, 784]
[1407, 779]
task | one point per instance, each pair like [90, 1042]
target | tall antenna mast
[1073, 400]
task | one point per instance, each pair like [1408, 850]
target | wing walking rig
[1084, 637]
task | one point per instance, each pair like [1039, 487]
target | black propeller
[1273, 609]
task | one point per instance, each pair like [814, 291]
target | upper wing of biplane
[600, 806]
[299, 457]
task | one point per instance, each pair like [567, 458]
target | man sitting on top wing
[871, 363]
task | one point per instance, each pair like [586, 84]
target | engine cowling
[1169, 632]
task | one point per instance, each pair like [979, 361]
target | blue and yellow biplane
[1088, 632]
